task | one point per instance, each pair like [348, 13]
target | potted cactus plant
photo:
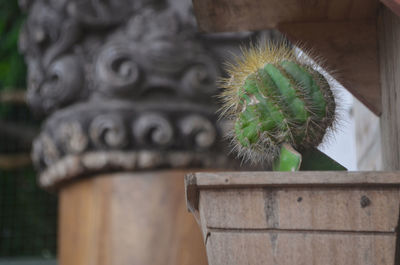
[281, 108]
[279, 104]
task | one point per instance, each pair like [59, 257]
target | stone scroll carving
[125, 85]
[118, 136]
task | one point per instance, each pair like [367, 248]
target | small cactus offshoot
[275, 99]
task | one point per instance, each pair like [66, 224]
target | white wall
[340, 144]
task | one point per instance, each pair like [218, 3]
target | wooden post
[389, 54]
[128, 218]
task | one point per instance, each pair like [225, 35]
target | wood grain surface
[299, 248]
[238, 15]
[333, 209]
[285, 218]
[203, 180]
[131, 218]
[389, 51]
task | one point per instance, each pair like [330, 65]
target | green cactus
[284, 102]
[276, 99]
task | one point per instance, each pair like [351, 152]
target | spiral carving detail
[108, 130]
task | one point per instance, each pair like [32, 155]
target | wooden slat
[301, 178]
[14, 161]
[389, 51]
[325, 209]
[237, 15]
[247, 248]
[128, 219]
[13, 96]
[349, 51]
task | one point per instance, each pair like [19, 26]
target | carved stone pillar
[128, 86]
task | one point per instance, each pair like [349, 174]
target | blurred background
[28, 215]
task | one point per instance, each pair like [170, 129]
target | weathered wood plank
[250, 248]
[333, 209]
[287, 218]
[349, 51]
[389, 51]
[14, 96]
[130, 218]
[14, 161]
[297, 217]
[301, 178]
[237, 15]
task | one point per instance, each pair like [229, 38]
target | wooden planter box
[281, 218]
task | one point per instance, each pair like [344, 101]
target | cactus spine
[275, 98]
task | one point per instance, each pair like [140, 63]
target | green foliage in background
[12, 66]
[28, 215]
[14, 115]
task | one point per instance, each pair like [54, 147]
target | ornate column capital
[127, 85]
[103, 136]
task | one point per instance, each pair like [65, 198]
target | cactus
[275, 98]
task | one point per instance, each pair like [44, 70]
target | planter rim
[258, 179]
